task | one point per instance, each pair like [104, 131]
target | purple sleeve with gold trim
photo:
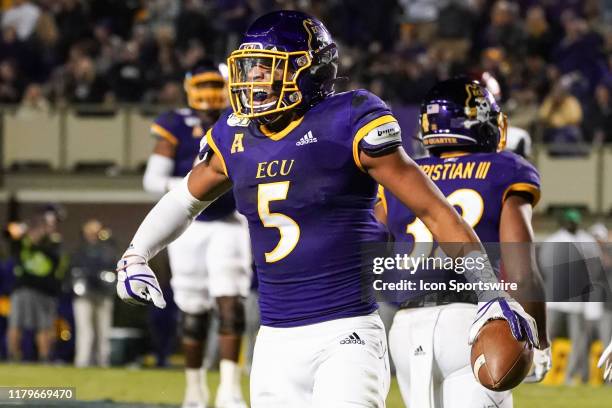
[165, 127]
[375, 129]
[524, 179]
[181, 128]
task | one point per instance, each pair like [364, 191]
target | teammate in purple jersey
[210, 261]
[304, 164]
[494, 191]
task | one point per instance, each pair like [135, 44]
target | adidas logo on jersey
[352, 339]
[307, 138]
[419, 351]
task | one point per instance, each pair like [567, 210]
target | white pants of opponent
[429, 347]
[335, 364]
[210, 259]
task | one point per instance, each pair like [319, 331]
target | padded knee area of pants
[195, 326]
[232, 319]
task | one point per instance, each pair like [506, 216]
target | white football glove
[522, 325]
[542, 363]
[136, 282]
[606, 359]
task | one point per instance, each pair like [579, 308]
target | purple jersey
[476, 185]
[183, 128]
[309, 204]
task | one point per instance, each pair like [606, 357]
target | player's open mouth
[262, 98]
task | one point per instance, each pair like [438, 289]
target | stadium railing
[116, 141]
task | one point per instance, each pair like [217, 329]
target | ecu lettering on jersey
[302, 195]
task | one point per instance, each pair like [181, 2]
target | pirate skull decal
[482, 109]
[477, 106]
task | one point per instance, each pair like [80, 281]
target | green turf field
[166, 387]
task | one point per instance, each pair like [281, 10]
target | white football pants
[429, 347]
[210, 259]
[336, 364]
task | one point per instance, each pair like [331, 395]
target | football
[499, 361]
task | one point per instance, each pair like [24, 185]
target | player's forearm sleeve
[482, 276]
[166, 221]
[157, 178]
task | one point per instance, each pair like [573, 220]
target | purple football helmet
[461, 114]
[287, 60]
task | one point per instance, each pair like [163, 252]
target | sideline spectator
[564, 260]
[33, 102]
[127, 76]
[71, 22]
[561, 117]
[505, 30]
[604, 325]
[580, 51]
[93, 284]
[23, 16]
[540, 38]
[39, 271]
[85, 86]
[11, 86]
[598, 119]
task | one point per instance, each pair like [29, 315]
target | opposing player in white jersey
[304, 164]
[210, 261]
[463, 129]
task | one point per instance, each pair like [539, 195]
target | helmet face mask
[264, 82]
[287, 61]
[206, 91]
[461, 115]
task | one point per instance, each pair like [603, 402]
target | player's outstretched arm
[518, 257]
[519, 260]
[165, 222]
[402, 176]
[404, 179]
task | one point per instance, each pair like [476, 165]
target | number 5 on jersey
[288, 228]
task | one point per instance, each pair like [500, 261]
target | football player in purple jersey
[304, 164]
[210, 261]
[495, 191]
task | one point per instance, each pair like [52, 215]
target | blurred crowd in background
[552, 59]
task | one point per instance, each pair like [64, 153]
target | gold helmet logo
[476, 104]
[478, 107]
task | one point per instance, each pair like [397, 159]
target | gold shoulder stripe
[449, 155]
[363, 131]
[524, 187]
[381, 197]
[164, 133]
[213, 145]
